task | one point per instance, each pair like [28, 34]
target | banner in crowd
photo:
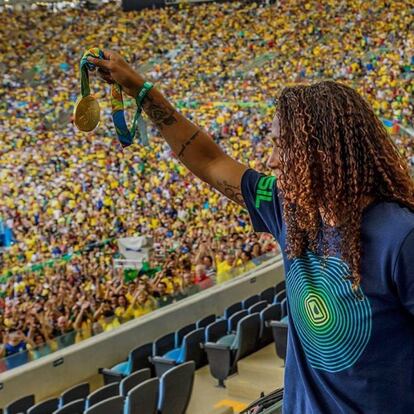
[65, 258]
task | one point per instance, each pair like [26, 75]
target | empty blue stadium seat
[112, 405]
[74, 407]
[280, 286]
[279, 296]
[21, 405]
[204, 322]
[176, 387]
[268, 294]
[143, 398]
[44, 407]
[163, 344]
[137, 359]
[133, 380]
[234, 320]
[216, 330]
[101, 394]
[271, 313]
[258, 307]
[246, 303]
[78, 392]
[230, 310]
[180, 333]
[280, 332]
[224, 354]
[190, 350]
[284, 306]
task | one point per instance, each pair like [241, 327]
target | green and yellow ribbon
[125, 136]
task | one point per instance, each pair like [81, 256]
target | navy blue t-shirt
[346, 355]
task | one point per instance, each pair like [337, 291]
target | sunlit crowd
[67, 196]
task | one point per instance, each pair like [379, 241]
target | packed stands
[66, 197]
[138, 384]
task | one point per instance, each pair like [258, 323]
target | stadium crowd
[64, 192]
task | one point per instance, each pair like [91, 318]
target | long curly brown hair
[335, 155]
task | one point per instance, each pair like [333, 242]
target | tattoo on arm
[187, 143]
[231, 191]
[160, 114]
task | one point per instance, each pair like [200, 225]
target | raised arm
[192, 145]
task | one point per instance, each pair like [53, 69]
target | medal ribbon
[125, 136]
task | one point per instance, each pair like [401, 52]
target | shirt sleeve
[261, 197]
[404, 273]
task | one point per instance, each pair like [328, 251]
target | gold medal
[87, 113]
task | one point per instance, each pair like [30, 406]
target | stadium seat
[44, 407]
[224, 354]
[190, 350]
[284, 307]
[258, 307]
[280, 331]
[78, 392]
[230, 310]
[143, 398]
[101, 394]
[216, 330]
[163, 344]
[280, 286]
[111, 377]
[279, 296]
[271, 313]
[176, 387]
[74, 407]
[251, 300]
[204, 322]
[137, 359]
[234, 320]
[20, 406]
[182, 332]
[133, 380]
[113, 405]
[268, 294]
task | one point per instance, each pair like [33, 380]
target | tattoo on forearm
[160, 114]
[231, 191]
[187, 143]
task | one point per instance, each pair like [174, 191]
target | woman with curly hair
[341, 206]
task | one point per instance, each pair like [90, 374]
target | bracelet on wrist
[143, 93]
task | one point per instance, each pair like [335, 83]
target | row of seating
[220, 341]
[184, 345]
[137, 393]
[224, 341]
[247, 331]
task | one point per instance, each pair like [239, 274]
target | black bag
[265, 404]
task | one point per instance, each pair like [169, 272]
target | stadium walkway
[262, 371]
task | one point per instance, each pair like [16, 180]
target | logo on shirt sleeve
[264, 190]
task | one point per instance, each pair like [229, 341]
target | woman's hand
[113, 68]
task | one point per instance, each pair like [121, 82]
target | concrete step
[263, 363]
[247, 389]
[260, 372]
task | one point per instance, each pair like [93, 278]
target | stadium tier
[95, 236]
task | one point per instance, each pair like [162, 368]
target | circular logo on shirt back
[334, 326]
